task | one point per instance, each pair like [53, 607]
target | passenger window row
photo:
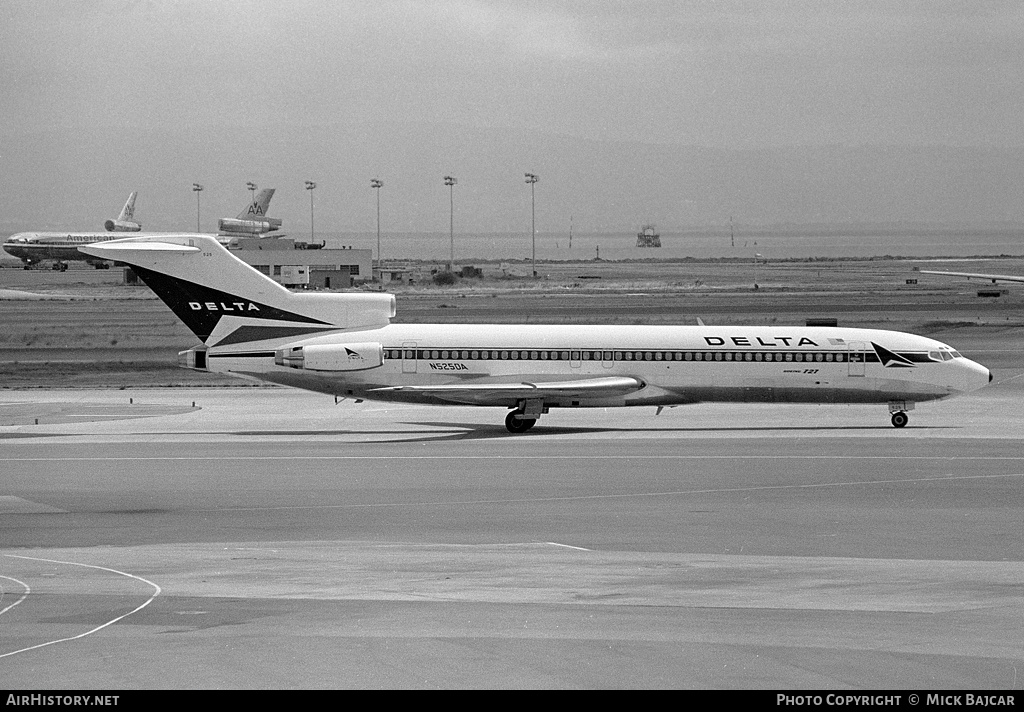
[548, 355]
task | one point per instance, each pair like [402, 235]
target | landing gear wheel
[900, 419]
[517, 424]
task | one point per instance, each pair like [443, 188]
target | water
[771, 245]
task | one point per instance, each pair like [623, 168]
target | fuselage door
[408, 357]
[607, 359]
[857, 357]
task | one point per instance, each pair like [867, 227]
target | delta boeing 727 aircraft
[344, 344]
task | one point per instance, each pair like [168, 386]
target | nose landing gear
[899, 409]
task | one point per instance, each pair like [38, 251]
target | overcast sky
[146, 91]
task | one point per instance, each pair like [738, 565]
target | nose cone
[972, 375]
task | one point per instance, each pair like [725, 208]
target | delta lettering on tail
[233, 306]
[344, 344]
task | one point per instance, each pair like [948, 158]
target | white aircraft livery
[34, 247]
[62, 247]
[344, 344]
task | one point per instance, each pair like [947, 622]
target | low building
[401, 272]
[285, 260]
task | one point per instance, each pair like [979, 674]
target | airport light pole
[310, 185]
[252, 192]
[450, 182]
[532, 179]
[377, 185]
[197, 189]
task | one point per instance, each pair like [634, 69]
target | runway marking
[568, 546]
[626, 495]
[28, 590]
[257, 458]
[97, 628]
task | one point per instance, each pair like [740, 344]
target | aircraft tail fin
[126, 220]
[226, 302]
[258, 207]
[128, 211]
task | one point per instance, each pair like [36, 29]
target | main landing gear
[900, 419]
[516, 423]
[525, 416]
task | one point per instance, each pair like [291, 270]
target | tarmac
[264, 538]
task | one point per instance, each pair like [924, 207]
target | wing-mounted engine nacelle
[331, 357]
[248, 227]
[122, 226]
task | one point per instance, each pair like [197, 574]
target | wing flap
[606, 387]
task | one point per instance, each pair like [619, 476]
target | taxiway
[267, 538]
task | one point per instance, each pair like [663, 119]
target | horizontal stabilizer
[122, 251]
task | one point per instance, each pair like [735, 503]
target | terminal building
[303, 264]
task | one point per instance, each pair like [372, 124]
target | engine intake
[331, 357]
[194, 358]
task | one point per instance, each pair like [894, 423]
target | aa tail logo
[128, 211]
[258, 207]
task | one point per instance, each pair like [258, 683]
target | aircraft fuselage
[34, 247]
[674, 364]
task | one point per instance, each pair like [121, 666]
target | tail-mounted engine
[122, 226]
[194, 358]
[331, 357]
[233, 226]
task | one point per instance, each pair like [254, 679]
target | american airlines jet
[62, 247]
[35, 247]
[344, 344]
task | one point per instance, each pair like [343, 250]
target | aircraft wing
[973, 275]
[500, 393]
